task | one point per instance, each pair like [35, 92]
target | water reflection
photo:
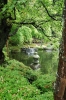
[48, 60]
[29, 51]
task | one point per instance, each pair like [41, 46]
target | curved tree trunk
[4, 28]
[60, 84]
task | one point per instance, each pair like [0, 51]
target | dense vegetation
[19, 82]
[37, 20]
[25, 22]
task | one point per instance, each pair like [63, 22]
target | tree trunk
[60, 84]
[4, 28]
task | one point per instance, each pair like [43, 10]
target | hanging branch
[35, 24]
[14, 10]
[51, 16]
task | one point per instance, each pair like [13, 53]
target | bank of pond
[45, 59]
[18, 81]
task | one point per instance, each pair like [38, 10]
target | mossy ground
[20, 82]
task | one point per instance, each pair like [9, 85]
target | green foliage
[32, 13]
[56, 43]
[37, 15]
[45, 96]
[16, 78]
[23, 35]
[26, 31]
[44, 83]
[35, 33]
[26, 71]
[17, 39]
[15, 83]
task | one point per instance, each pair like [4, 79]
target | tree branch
[51, 16]
[35, 24]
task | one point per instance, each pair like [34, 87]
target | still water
[48, 59]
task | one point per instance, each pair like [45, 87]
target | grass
[20, 82]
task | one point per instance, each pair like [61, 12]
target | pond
[48, 59]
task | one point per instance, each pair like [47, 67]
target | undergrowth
[20, 82]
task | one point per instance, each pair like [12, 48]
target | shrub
[26, 32]
[20, 82]
[14, 82]
[45, 96]
[35, 33]
[44, 83]
[17, 39]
